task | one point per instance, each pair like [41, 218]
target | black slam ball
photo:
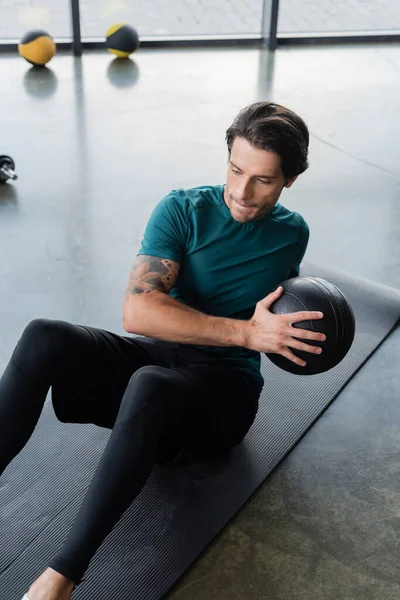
[338, 324]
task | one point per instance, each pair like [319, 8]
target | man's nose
[244, 191]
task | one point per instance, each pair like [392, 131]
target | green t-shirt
[226, 267]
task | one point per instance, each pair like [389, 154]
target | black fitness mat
[181, 509]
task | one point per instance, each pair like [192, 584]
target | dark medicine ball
[37, 47]
[122, 40]
[338, 324]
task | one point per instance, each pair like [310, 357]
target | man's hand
[270, 333]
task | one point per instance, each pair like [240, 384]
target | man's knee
[41, 343]
[152, 378]
[147, 387]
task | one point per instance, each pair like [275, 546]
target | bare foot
[51, 585]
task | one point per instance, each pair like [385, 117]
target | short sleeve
[300, 249]
[166, 230]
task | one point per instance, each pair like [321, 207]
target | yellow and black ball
[37, 47]
[122, 40]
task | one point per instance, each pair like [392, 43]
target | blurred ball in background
[122, 40]
[37, 47]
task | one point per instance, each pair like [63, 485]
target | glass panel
[152, 18]
[17, 17]
[320, 16]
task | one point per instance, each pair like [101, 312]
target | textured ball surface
[338, 324]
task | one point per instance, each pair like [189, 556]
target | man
[198, 297]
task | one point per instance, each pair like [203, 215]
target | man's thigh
[92, 387]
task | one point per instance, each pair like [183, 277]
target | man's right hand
[274, 334]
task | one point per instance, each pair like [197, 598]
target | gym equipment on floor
[7, 169]
[122, 40]
[37, 47]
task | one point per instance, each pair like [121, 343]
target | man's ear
[290, 182]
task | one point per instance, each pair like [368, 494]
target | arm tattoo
[150, 273]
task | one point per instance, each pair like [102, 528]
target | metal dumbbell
[7, 169]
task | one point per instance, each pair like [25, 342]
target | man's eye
[236, 172]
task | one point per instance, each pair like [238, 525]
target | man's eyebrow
[263, 176]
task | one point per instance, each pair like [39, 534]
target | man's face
[254, 181]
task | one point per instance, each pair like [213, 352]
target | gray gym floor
[96, 147]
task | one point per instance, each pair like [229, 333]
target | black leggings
[161, 401]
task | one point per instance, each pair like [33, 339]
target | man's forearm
[161, 316]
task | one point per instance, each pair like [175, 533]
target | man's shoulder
[289, 217]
